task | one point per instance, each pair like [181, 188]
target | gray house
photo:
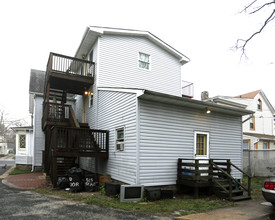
[130, 118]
[137, 96]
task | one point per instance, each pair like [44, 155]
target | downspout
[137, 141]
[251, 116]
[139, 93]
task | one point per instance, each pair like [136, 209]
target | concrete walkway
[249, 209]
[24, 181]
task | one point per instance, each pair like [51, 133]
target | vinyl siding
[38, 135]
[119, 65]
[115, 110]
[167, 133]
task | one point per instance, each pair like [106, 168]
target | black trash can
[90, 182]
[75, 179]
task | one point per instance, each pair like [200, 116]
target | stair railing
[232, 178]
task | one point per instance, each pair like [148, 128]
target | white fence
[259, 162]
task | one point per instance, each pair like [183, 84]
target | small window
[144, 61]
[265, 146]
[22, 141]
[91, 99]
[245, 144]
[201, 144]
[252, 123]
[120, 132]
[259, 105]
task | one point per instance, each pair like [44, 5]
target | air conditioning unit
[120, 146]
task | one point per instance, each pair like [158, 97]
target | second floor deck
[69, 74]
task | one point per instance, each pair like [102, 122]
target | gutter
[248, 118]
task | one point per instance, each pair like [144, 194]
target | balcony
[69, 74]
[187, 89]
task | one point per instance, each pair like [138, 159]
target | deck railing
[70, 65]
[203, 172]
[80, 140]
[187, 89]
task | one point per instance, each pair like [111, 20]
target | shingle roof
[249, 95]
[37, 79]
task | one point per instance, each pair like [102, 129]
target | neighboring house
[3, 146]
[24, 147]
[30, 141]
[258, 129]
[128, 89]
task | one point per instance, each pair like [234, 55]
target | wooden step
[240, 198]
[235, 192]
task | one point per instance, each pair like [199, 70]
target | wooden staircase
[225, 185]
[233, 192]
[215, 174]
[66, 140]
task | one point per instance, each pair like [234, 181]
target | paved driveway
[16, 204]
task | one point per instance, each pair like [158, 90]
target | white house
[137, 96]
[24, 147]
[258, 129]
[3, 146]
[30, 140]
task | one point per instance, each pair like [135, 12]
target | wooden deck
[66, 140]
[214, 174]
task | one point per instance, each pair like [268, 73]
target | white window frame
[149, 62]
[19, 145]
[265, 142]
[91, 98]
[207, 145]
[248, 143]
[119, 143]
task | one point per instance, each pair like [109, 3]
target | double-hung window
[119, 135]
[259, 105]
[252, 124]
[144, 61]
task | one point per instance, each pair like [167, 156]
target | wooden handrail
[230, 177]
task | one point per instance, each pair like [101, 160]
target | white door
[201, 148]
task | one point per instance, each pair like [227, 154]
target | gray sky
[203, 30]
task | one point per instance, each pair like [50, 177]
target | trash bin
[75, 179]
[90, 182]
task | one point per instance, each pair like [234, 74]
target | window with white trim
[119, 135]
[91, 99]
[144, 61]
[265, 145]
[245, 144]
[201, 144]
[22, 141]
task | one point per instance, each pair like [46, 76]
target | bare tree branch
[247, 7]
[242, 43]
[261, 7]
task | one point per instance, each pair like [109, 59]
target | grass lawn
[16, 171]
[182, 204]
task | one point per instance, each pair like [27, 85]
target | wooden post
[248, 186]
[211, 169]
[230, 181]
[196, 190]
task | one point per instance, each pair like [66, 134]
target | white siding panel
[119, 65]
[38, 135]
[116, 110]
[167, 133]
